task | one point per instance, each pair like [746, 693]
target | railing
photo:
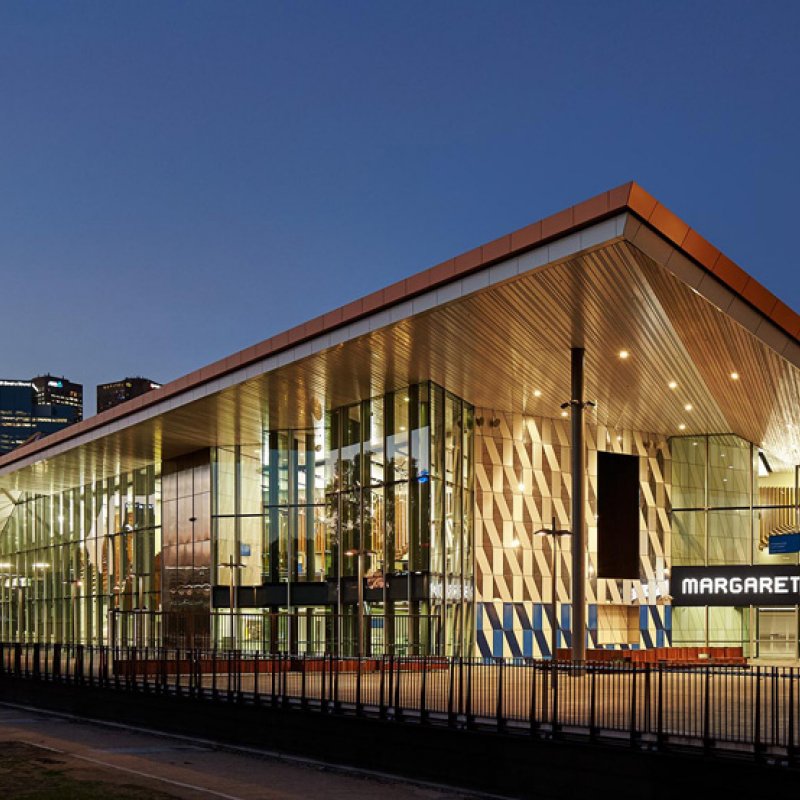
[749, 711]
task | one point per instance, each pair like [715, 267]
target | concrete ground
[50, 755]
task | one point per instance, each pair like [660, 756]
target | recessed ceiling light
[687, 407]
[537, 393]
[673, 384]
[521, 487]
[681, 427]
[564, 414]
[623, 354]
[694, 444]
[619, 438]
[515, 542]
[734, 376]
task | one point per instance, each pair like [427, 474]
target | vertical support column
[292, 540]
[578, 517]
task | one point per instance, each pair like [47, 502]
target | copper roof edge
[629, 197]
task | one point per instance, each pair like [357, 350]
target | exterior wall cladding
[522, 481]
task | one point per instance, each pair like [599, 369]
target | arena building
[590, 424]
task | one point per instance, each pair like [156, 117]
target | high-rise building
[112, 394]
[54, 391]
[41, 406]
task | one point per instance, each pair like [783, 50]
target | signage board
[244, 550]
[784, 543]
[763, 585]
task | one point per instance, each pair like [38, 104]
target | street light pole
[232, 565]
[556, 534]
[139, 610]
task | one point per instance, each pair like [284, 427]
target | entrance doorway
[777, 633]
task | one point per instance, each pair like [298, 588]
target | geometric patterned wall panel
[523, 630]
[522, 481]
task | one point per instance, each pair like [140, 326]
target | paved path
[185, 768]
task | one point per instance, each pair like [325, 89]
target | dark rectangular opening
[617, 516]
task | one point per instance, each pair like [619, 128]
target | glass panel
[728, 627]
[729, 472]
[351, 447]
[776, 513]
[688, 627]
[729, 539]
[688, 472]
[397, 441]
[688, 538]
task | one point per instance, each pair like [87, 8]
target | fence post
[499, 708]
[115, 662]
[451, 716]
[469, 719]
[634, 673]
[37, 673]
[757, 717]
[660, 708]
[273, 668]
[132, 670]
[285, 679]
[592, 702]
[460, 685]
[776, 711]
[303, 702]
[790, 718]
[214, 674]
[177, 672]
[554, 685]
[707, 710]
[532, 722]
[359, 707]
[423, 691]
[398, 711]
[323, 701]
[335, 677]
[382, 702]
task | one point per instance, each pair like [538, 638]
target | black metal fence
[751, 711]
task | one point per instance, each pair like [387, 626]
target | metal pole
[231, 596]
[231, 564]
[578, 520]
[554, 598]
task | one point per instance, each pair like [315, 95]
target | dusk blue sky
[179, 180]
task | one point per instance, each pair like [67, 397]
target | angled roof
[635, 213]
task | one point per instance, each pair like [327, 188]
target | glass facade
[353, 535]
[75, 563]
[728, 498]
